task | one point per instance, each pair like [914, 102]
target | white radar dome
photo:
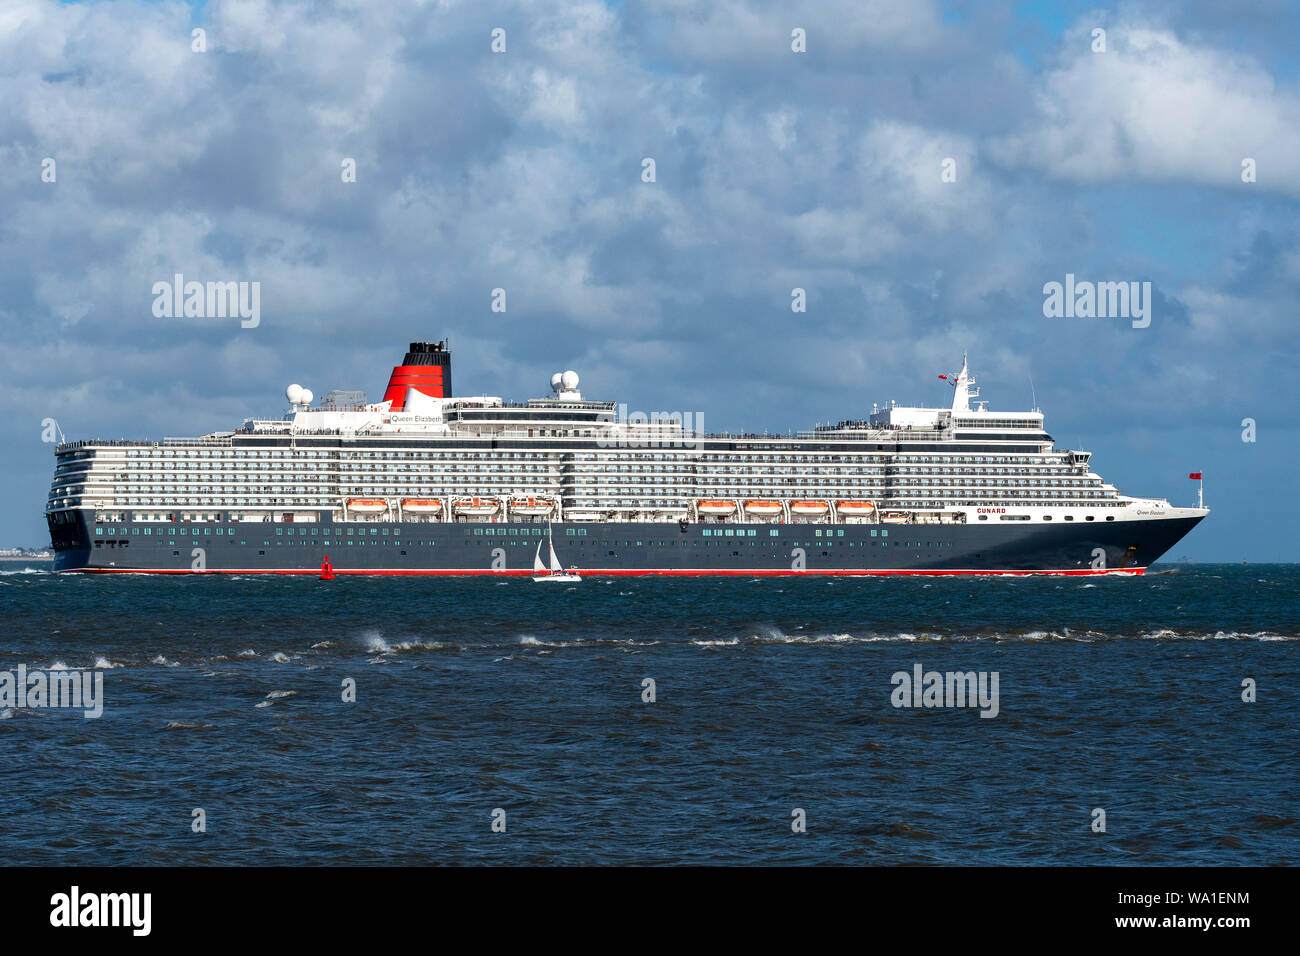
[294, 394]
[569, 380]
[556, 379]
[307, 396]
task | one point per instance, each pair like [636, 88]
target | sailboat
[556, 572]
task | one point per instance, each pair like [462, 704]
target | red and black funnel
[426, 368]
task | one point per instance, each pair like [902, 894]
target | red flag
[1195, 476]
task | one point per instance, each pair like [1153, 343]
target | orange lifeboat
[531, 507]
[856, 508]
[421, 506]
[809, 507]
[367, 506]
[709, 506]
[763, 507]
[476, 507]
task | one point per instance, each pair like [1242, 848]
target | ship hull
[618, 548]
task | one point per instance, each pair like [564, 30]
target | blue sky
[775, 170]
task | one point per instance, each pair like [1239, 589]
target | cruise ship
[430, 482]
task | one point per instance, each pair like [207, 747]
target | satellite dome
[307, 396]
[556, 379]
[569, 380]
[294, 394]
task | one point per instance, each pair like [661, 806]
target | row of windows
[338, 542]
[351, 456]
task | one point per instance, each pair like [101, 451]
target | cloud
[1155, 107]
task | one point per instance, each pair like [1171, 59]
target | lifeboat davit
[531, 507]
[763, 507]
[809, 507]
[477, 507]
[707, 506]
[421, 506]
[855, 508]
[367, 506]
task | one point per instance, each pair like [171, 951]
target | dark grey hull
[619, 548]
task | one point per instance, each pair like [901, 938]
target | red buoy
[326, 570]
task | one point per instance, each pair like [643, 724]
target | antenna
[1033, 395]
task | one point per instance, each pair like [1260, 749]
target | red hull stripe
[603, 572]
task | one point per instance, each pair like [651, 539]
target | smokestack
[426, 368]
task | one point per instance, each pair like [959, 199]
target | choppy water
[772, 694]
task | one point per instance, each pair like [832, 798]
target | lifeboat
[531, 507]
[809, 507]
[763, 507]
[894, 517]
[855, 509]
[421, 506]
[476, 507]
[367, 506]
[707, 506]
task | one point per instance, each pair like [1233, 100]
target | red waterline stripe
[608, 572]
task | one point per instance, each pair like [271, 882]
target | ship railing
[102, 443]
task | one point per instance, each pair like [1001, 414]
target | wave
[375, 642]
[528, 640]
[275, 697]
[774, 635]
[1168, 634]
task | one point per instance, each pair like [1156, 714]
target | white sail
[538, 567]
[555, 562]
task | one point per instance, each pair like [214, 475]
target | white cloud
[1153, 107]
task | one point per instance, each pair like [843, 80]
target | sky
[921, 170]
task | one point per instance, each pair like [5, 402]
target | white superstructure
[446, 459]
